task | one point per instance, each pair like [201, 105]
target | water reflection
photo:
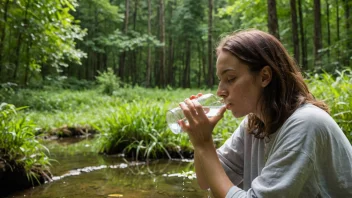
[83, 173]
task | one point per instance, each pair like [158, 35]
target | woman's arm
[203, 184]
[211, 172]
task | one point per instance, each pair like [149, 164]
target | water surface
[80, 172]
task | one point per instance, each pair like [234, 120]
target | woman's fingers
[200, 110]
[219, 115]
[187, 112]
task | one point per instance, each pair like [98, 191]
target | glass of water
[211, 105]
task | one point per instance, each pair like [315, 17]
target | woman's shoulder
[309, 115]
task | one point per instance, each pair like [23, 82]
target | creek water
[79, 172]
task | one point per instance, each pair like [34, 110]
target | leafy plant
[18, 146]
[108, 81]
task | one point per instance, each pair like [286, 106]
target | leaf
[115, 195]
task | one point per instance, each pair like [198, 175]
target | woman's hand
[199, 127]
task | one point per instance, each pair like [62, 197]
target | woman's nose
[221, 92]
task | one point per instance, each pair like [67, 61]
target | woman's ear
[266, 76]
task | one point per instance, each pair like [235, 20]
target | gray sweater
[309, 156]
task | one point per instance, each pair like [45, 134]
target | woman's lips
[228, 106]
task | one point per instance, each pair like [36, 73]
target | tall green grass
[18, 146]
[337, 93]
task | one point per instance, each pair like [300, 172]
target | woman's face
[240, 89]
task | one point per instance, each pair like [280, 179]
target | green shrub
[337, 93]
[108, 81]
[18, 144]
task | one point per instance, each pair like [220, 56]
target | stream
[79, 172]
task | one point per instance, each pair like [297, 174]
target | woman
[287, 145]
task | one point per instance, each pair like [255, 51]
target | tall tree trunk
[149, 62]
[19, 42]
[28, 59]
[123, 54]
[302, 37]
[3, 35]
[135, 51]
[186, 73]
[170, 65]
[328, 29]
[337, 29]
[294, 30]
[210, 45]
[348, 32]
[273, 24]
[317, 34]
[162, 40]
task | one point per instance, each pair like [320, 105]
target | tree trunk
[3, 35]
[186, 73]
[294, 30]
[135, 51]
[19, 42]
[162, 40]
[328, 29]
[317, 34]
[348, 33]
[170, 65]
[26, 73]
[302, 37]
[210, 45]
[273, 24]
[149, 62]
[123, 54]
[337, 29]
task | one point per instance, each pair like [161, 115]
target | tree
[302, 37]
[317, 34]
[162, 40]
[273, 24]
[210, 45]
[148, 72]
[294, 30]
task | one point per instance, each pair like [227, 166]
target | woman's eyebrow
[226, 70]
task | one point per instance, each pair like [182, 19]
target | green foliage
[337, 93]
[132, 119]
[18, 144]
[40, 35]
[108, 81]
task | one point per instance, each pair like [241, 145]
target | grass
[132, 119]
[18, 147]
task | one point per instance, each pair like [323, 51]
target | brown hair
[287, 89]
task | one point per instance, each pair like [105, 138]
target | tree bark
[348, 32]
[317, 34]
[302, 37]
[273, 24]
[19, 42]
[210, 45]
[186, 73]
[149, 62]
[3, 34]
[123, 54]
[170, 65]
[294, 30]
[328, 29]
[162, 40]
[337, 29]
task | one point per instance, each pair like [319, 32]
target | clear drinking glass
[211, 105]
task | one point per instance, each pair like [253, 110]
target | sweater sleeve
[231, 155]
[283, 176]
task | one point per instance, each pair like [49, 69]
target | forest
[85, 86]
[160, 43]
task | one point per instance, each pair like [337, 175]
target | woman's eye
[230, 80]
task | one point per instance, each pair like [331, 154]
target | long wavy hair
[287, 89]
